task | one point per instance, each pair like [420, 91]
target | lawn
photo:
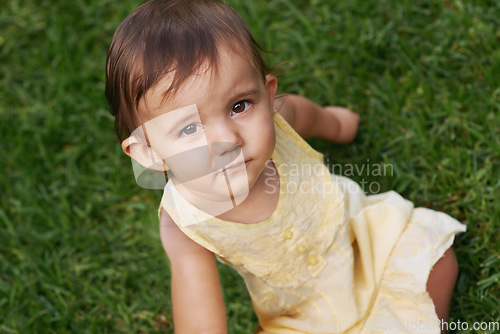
[79, 244]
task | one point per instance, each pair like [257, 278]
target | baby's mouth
[233, 168]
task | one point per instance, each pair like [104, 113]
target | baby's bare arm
[335, 124]
[198, 306]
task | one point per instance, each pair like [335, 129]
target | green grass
[79, 244]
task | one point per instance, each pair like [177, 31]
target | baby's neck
[261, 201]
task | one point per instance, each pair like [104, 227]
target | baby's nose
[221, 148]
[223, 137]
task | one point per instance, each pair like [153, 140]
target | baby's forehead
[160, 99]
[167, 94]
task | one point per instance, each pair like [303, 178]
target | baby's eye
[240, 107]
[189, 130]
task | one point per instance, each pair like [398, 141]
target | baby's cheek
[190, 164]
[270, 140]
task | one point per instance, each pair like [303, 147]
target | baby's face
[216, 134]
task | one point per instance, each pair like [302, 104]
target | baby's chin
[214, 189]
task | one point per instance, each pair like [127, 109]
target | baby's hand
[348, 124]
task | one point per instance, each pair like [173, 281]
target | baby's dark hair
[170, 36]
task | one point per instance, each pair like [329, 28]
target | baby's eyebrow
[248, 92]
[181, 122]
[175, 121]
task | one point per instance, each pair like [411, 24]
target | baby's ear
[143, 154]
[271, 87]
[149, 170]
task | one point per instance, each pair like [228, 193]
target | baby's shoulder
[175, 243]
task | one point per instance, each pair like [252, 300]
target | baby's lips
[231, 154]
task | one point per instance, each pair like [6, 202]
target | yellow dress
[329, 259]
